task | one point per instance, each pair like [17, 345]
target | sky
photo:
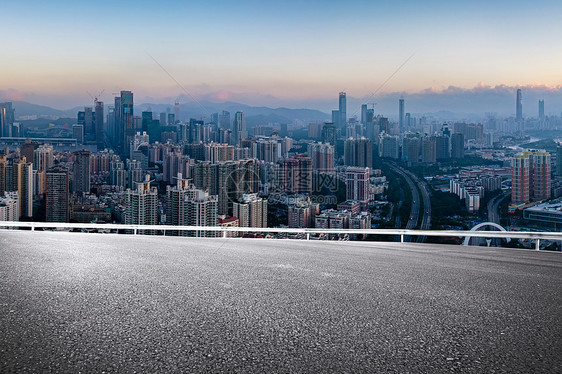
[289, 53]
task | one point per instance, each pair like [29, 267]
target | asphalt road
[93, 302]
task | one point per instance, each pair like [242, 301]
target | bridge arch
[479, 226]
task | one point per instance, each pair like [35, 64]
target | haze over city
[466, 57]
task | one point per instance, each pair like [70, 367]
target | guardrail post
[401, 238]
[164, 233]
[538, 245]
[32, 228]
[135, 232]
[224, 234]
[307, 236]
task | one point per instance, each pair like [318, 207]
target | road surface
[72, 302]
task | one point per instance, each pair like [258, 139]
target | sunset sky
[295, 51]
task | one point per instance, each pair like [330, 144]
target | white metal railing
[537, 236]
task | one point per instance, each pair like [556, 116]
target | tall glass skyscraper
[343, 110]
[126, 117]
[519, 106]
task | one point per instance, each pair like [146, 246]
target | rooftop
[74, 302]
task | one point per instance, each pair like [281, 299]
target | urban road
[411, 179]
[73, 302]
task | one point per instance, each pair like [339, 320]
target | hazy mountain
[27, 109]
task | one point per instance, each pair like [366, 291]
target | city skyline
[276, 53]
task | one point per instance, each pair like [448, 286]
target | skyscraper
[401, 114]
[224, 120]
[89, 124]
[81, 172]
[343, 109]
[364, 114]
[100, 141]
[239, 128]
[126, 116]
[7, 117]
[57, 195]
[519, 106]
[177, 111]
[541, 110]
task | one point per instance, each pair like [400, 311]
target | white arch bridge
[484, 224]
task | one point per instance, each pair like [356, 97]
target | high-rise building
[135, 173]
[78, 133]
[357, 184]
[336, 118]
[457, 145]
[23, 183]
[540, 168]
[541, 110]
[188, 206]
[442, 147]
[9, 206]
[117, 174]
[519, 106]
[7, 117]
[57, 194]
[520, 171]
[5, 169]
[142, 204]
[224, 120]
[100, 136]
[126, 126]
[216, 152]
[401, 115]
[429, 153]
[323, 157]
[342, 110]
[329, 134]
[81, 172]
[239, 128]
[43, 157]
[296, 174]
[388, 146]
[358, 152]
[251, 211]
[411, 149]
[89, 123]
[364, 114]
[229, 180]
[27, 149]
[302, 213]
[176, 111]
[267, 150]
[559, 161]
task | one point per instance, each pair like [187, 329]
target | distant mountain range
[254, 115]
